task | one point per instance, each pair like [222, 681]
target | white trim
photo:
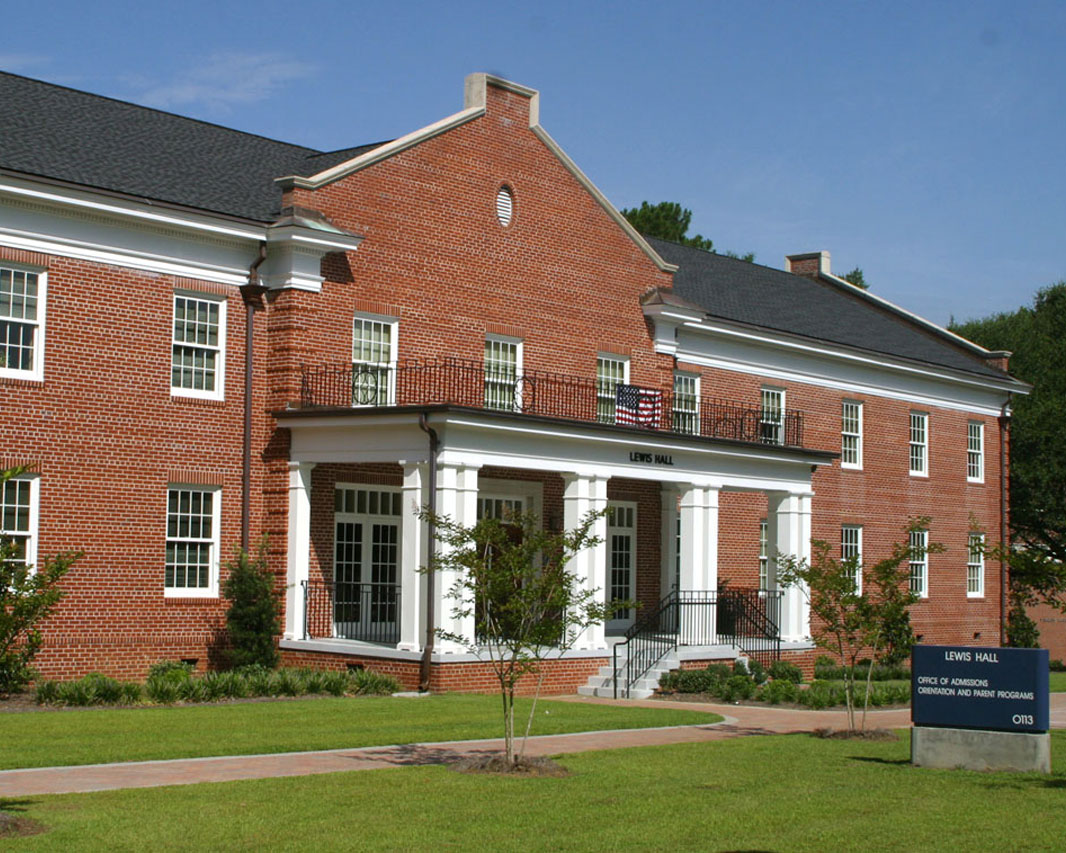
[219, 392]
[980, 452]
[924, 444]
[519, 354]
[32, 532]
[979, 565]
[382, 152]
[35, 373]
[394, 347]
[922, 563]
[621, 623]
[211, 590]
[857, 530]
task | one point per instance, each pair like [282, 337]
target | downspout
[251, 293]
[1004, 533]
[431, 550]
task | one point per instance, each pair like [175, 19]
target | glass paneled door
[621, 561]
[366, 592]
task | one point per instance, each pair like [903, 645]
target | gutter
[251, 293]
[1004, 533]
[425, 666]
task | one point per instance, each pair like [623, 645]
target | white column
[789, 535]
[412, 558]
[457, 500]
[583, 493]
[299, 550]
[699, 560]
[668, 539]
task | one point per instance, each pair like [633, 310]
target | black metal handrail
[746, 618]
[352, 610]
[462, 382]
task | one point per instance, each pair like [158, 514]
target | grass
[1058, 682]
[785, 792]
[91, 736]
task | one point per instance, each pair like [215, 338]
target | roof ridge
[312, 151]
[716, 253]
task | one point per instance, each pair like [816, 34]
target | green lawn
[786, 792]
[51, 738]
[1058, 682]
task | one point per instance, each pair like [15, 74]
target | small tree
[253, 619]
[512, 580]
[26, 598]
[851, 624]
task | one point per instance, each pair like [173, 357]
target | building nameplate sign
[980, 687]
[644, 458]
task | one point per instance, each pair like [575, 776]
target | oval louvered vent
[504, 206]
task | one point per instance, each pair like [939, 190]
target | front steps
[602, 684]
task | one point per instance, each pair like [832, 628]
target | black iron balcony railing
[462, 382]
[351, 610]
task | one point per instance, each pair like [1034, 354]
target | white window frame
[34, 506]
[388, 364]
[772, 429]
[918, 445]
[211, 590]
[975, 452]
[515, 400]
[686, 420]
[36, 371]
[621, 619]
[853, 420]
[606, 390]
[919, 563]
[851, 545]
[219, 349]
[764, 554]
[975, 565]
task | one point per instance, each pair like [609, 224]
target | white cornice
[143, 211]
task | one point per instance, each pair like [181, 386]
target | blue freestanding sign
[977, 687]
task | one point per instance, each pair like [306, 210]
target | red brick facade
[106, 435]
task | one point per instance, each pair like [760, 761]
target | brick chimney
[999, 359]
[809, 264]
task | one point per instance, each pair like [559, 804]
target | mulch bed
[13, 826]
[844, 734]
[498, 765]
[792, 706]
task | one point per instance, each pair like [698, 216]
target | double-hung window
[919, 444]
[764, 555]
[611, 371]
[772, 416]
[373, 361]
[851, 434]
[851, 553]
[975, 566]
[687, 403]
[503, 370]
[193, 515]
[975, 452]
[197, 363]
[21, 322]
[919, 563]
[18, 517]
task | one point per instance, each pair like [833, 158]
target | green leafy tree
[668, 220]
[28, 595]
[253, 619]
[1035, 335]
[856, 277]
[853, 625]
[513, 583]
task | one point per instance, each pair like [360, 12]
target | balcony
[462, 382]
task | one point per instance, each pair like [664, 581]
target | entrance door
[366, 593]
[621, 561]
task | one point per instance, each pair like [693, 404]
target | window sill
[185, 597]
[20, 378]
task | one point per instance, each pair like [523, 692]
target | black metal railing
[463, 382]
[351, 610]
[746, 618]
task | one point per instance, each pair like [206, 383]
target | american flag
[635, 406]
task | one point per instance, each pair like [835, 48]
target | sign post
[980, 708]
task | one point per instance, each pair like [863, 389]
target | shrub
[253, 619]
[1057, 666]
[740, 667]
[165, 689]
[822, 694]
[757, 671]
[368, 683]
[174, 670]
[778, 691]
[735, 688]
[783, 670]
[47, 692]
[104, 690]
[27, 595]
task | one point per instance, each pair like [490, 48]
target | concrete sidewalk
[740, 721]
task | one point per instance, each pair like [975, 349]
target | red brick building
[206, 336]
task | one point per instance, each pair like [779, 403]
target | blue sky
[922, 141]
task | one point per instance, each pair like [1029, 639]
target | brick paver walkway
[741, 720]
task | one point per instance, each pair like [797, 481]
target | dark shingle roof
[61, 133]
[732, 289]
